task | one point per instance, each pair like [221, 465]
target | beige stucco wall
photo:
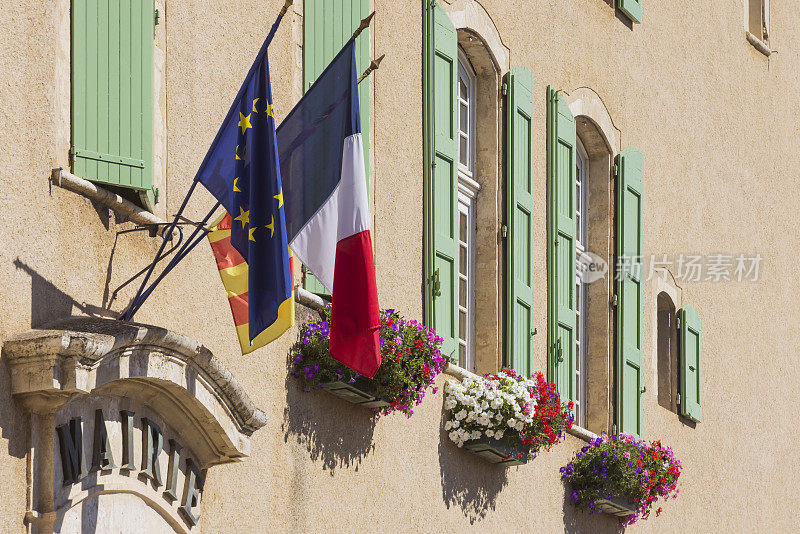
[716, 120]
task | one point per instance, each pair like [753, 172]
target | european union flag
[241, 170]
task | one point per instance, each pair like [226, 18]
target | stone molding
[179, 376]
[585, 102]
[472, 16]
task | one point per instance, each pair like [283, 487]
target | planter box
[356, 393]
[618, 506]
[498, 451]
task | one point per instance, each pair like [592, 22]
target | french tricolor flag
[327, 213]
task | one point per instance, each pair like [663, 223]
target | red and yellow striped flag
[233, 271]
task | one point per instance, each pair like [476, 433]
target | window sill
[90, 190]
[759, 45]
[582, 433]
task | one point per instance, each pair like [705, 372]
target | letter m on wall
[112, 96]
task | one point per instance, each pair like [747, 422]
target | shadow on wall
[49, 303]
[577, 521]
[468, 481]
[334, 432]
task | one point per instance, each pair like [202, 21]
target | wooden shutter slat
[519, 212]
[630, 381]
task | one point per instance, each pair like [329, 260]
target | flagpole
[138, 301]
[363, 26]
[373, 66]
[127, 314]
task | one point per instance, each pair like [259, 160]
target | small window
[758, 24]
[667, 353]
[467, 194]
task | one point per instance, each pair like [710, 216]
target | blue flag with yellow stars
[241, 169]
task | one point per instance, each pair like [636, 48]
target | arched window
[468, 189]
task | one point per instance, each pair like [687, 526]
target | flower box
[356, 392]
[498, 451]
[618, 506]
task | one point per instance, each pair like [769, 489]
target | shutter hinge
[156, 194]
[505, 89]
[678, 399]
[157, 16]
[72, 156]
[504, 231]
[678, 322]
[616, 170]
[614, 301]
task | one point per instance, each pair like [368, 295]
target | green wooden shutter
[689, 347]
[630, 188]
[327, 26]
[631, 8]
[519, 213]
[112, 94]
[561, 297]
[441, 183]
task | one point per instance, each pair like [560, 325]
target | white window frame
[468, 190]
[582, 307]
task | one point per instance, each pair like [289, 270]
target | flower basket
[622, 476]
[618, 506]
[505, 418]
[499, 451]
[410, 362]
[361, 391]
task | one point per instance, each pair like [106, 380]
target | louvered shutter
[689, 347]
[631, 8]
[630, 382]
[112, 95]
[519, 212]
[327, 26]
[441, 182]
[561, 225]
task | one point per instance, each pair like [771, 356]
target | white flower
[461, 415]
[490, 433]
[455, 424]
[448, 425]
[512, 422]
[476, 434]
[453, 436]
[498, 434]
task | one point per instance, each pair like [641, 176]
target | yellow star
[237, 152]
[244, 122]
[244, 217]
[279, 196]
[269, 111]
[251, 233]
[254, 105]
[271, 227]
[235, 187]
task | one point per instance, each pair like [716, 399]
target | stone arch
[81, 372]
[472, 17]
[586, 103]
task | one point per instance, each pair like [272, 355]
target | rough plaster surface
[717, 122]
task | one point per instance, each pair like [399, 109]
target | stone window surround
[761, 40]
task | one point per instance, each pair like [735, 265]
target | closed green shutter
[689, 346]
[632, 8]
[441, 183]
[112, 94]
[327, 26]
[630, 187]
[561, 298]
[519, 210]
